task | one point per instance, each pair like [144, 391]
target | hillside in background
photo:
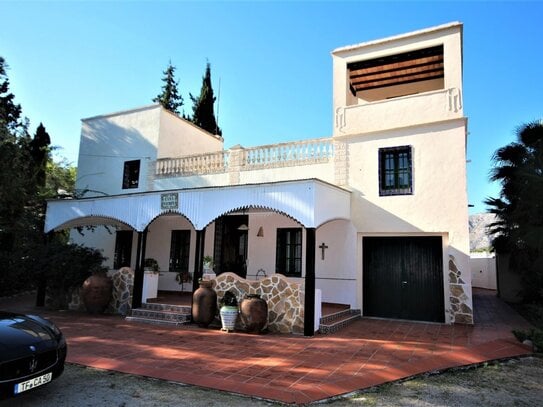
[479, 239]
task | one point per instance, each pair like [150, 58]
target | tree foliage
[170, 98]
[202, 110]
[28, 176]
[519, 208]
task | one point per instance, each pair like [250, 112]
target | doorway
[231, 240]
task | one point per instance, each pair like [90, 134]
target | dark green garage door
[403, 278]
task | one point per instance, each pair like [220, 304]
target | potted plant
[229, 311]
[208, 268]
[208, 263]
[182, 277]
[151, 264]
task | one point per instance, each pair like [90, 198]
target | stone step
[327, 319]
[339, 322]
[155, 321]
[181, 309]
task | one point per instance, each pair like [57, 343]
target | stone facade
[284, 297]
[123, 285]
[460, 311]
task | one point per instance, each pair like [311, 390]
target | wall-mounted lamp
[260, 232]
[243, 226]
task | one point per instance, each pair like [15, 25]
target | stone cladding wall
[461, 312]
[284, 297]
[123, 286]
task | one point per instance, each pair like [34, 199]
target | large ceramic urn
[96, 292]
[204, 304]
[254, 313]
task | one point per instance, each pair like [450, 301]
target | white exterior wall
[324, 172]
[261, 250]
[103, 239]
[483, 270]
[108, 141]
[336, 275]
[179, 137]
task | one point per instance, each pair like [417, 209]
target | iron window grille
[395, 171]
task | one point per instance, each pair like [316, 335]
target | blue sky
[71, 60]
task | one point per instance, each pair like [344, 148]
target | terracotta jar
[204, 304]
[96, 292]
[254, 313]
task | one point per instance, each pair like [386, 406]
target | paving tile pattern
[289, 368]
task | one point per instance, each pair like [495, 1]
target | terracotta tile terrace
[287, 368]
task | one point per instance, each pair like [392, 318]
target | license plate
[35, 382]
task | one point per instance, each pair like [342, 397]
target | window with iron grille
[395, 171]
[288, 260]
[131, 174]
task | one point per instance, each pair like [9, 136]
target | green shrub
[64, 267]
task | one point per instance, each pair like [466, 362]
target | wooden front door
[403, 278]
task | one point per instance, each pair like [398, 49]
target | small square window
[131, 174]
[395, 171]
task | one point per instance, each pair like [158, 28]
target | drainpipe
[137, 292]
[309, 314]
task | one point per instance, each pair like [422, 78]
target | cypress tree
[170, 98]
[39, 151]
[203, 115]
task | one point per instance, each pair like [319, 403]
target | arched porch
[275, 213]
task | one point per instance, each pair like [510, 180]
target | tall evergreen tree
[202, 109]
[10, 113]
[39, 151]
[170, 98]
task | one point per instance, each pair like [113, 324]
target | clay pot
[96, 293]
[204, 304]
[254, 313]
[229, 316]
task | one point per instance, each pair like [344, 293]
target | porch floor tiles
[292, 369]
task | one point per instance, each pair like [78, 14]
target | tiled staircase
[334, 322]
[161, 314]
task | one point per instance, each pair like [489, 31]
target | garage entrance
[403, 278]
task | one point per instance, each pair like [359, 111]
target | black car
[32, 352]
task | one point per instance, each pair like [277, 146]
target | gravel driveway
[510, 383]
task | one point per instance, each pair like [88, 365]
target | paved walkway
[292, 369]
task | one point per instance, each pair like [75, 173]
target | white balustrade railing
[208, 163]
[246, 159]
[287, 154]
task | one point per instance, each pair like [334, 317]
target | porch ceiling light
[243, 226]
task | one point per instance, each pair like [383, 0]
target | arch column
[198, 259]
[137, 291]
[309, 303]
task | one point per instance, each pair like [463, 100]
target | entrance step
[161, 314]
[334, 322]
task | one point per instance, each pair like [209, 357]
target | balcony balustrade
[246, 159]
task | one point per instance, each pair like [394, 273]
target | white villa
[374, 217]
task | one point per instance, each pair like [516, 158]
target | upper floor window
[131, 174]
[288, 259]
[395, 171]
